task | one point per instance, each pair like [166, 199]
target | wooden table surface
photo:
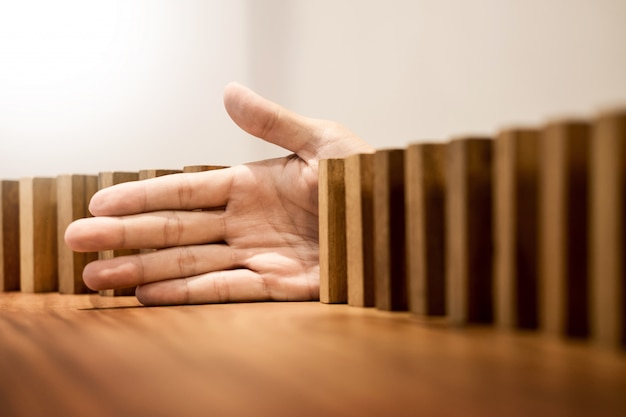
[93, 356]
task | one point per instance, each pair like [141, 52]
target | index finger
[188, 191]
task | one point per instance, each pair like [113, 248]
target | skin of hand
[245, 233]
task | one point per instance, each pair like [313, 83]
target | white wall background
[102, 85]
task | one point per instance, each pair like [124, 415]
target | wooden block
[389, 231]
[469, 292]
[425, 187]
[9, 235]
[608, 246]
[108, 179]
[332, 232]
[38, 235]
[202, 168]
[73, 195]
[359, 170]
[563, 220]
[515, 185]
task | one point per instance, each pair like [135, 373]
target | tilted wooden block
[332, 232]
[359, 171]
[564, 225]
[389, 231]
[469, 293]
[425, 186]
[608, 243]
[201, 168]
[515, 178]
[38, 235]
[9, 236]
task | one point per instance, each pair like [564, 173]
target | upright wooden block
[38, 235]
[608, 245]
[108, 179]
[563, 219]
[332, 232]
[515, 177]
[9, 236]
[425, 187]
[201, 168]
[359, 171]
[469, 292]
[389, 231]
[73, 195]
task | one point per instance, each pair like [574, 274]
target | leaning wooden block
[73, 195]
[425, 187]
[359, 172]
[608, 240]
[389, 230]
[38, 235]
[469, 293]
[9, 236]
[563, 219]
[515, 178]
[201, 168]
[332, 232]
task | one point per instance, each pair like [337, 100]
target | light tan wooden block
[425, 188]
[359, 171]
[563, 219]
[469, 292]
[515, 182]
[38, 235]
[202, 168]
[389, 231]
[9, 235]
[608, 246]
[332, 232]
[73, 195]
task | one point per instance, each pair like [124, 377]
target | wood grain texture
[608, 245]
[73, 195]
[38, 235]
[332, 232]
[563, 219]
[359, 172]
[515, 177]
[389, 231]
[425, 187]
[9, 235]
[469, 241]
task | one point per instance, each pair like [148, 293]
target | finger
[179, 262]
[188, 191]
[158, 229]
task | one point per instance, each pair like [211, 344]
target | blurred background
[88, 86]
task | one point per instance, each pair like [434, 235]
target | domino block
[332, 232]
[469, 243]
[9, 236]
[389, 231]
[564, 225]
[608, 246]
[201, 168]
[73, 195]
[38, 235]
[516, 228]
[359, 172]
[425, 168]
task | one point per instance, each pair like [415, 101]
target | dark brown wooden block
[332, 232]
[425, 187]
[608, 246]
[73, 195]
[515, 182]
[38, 235]
[563, 219]
[389, 230]
[359, 171]
[9, 235]
[469, 247]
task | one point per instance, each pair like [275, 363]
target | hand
[256, 237]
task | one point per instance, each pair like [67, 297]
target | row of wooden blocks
[34, 214]
[525, 231]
